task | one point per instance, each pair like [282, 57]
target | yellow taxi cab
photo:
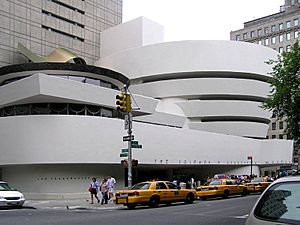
[221, 188]
[258, 184]
[153, 193]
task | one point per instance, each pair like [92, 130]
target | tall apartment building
[43, 25]
[278, 31]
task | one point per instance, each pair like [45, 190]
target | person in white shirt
[111, 184]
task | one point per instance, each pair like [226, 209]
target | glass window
[280, 136]
[280, 26]
[22, 110]
[237, 37]
[281, 38]
[296, 22]
[259, 32]
[273, 28]
[76, 109]
[280, 50]
[267, 41]
[171, 185]
[288, 24]
[39, 108]
[9, 111]
[274, 126]
[281, 125]
[273, 136]
[296, 34]
[252, 34]
[266, 30]
[245, 36]
[288, 36]
[106, 112]
[280, 203]
[141, 186]
[58, 108]
[106, 84]
[260, 42]
[274, 40]
[161, 185]
[288, 48]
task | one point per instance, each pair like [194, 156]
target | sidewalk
[68, 204]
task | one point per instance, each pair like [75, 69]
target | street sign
[134, 143]
[127, 122]
[123, 154]
[125, 150]
[127, 138]
[136, 146]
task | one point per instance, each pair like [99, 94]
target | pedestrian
[104, 191]
[111, 184]
[94, 188]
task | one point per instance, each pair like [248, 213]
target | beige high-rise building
[43, 25]
[278, 31]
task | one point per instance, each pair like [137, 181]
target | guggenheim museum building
[196, 109]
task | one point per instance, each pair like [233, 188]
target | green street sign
[124, 150]
[136, 146]
[123, 154]
[134, 143]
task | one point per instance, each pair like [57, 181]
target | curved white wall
[229, 80]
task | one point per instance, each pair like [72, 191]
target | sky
[199, 19]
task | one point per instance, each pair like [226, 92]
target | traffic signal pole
[129, 131]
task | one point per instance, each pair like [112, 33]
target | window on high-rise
[260, 42]
[280, 136]
[267, 41]
[273, 40]
[273, 28]
[280, 38]
[280, 125]
[259, 32]
[273, 136]
[288, 36]
[296, 22]
[281, 26]
[288, 48]
[296, 34]
[266, 30]
[274, 126]
[288, 24]
[280, 50]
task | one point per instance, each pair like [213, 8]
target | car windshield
[215, 182]
[281, 203]
[141, 186]
[259, 179]
[6, 187]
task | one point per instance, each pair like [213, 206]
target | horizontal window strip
[68, 6]
[62, 18]
[229, 119]
[227, 97]
[63, 33]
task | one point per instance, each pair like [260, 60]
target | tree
[284, 97]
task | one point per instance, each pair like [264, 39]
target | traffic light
[123, 102]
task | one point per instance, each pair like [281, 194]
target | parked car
[153, 193]
[258, 184]
[278, 204]
[9, 196]
[221, 188]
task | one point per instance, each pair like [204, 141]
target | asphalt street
[232, 211]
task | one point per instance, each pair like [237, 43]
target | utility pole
[129, 131]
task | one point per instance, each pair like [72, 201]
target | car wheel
[226, 194]
[245, 192]
[154, 201]
[131, 206]
[189, 198]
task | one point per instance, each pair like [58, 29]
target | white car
[278, 204]
[9, 196]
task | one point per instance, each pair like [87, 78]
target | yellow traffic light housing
[123, 102]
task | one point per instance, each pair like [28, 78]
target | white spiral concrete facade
[219, 86]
